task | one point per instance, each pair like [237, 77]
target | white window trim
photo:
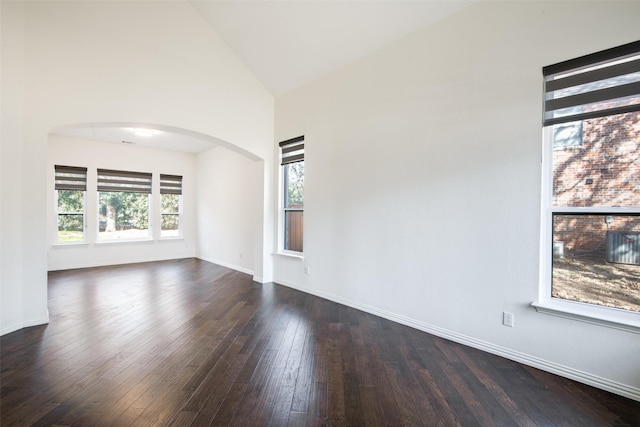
[123, 241]
[69, 244]
[56, 240]
[626, 320]
[290, 254]
[281, 214]
[600, 315]
[180, 216]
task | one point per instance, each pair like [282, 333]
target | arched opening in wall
[156, 136]
[171, 191]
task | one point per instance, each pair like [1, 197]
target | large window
[123, 204]
[70, 186]
[591, 206]
[171, 205]
[293, 193]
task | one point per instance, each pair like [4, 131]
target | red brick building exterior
[598, 166]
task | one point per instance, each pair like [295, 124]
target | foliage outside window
[70, 186]
[171, 205]
[592, 187]
[123, 204]
[293, 203]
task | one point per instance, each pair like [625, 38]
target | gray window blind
[597, 85]
[70, 178]
[130, 182]
[292, 150]
[170, 184]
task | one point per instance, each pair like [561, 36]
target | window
[71, 187]
[293, 189]
[591, 206]
[171, 205]
[123, 204]
[567, 135]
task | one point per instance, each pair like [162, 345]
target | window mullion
[579, 210]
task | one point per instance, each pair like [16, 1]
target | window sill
[70, 245]
[599, 315]
[171, 239]
[290, 254]
[117, 241]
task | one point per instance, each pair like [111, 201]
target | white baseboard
[536, 362]
[227, 265]
[103, 263]
[25, 324]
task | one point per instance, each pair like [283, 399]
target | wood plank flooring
[187, 342]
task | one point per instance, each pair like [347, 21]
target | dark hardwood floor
[187, 342]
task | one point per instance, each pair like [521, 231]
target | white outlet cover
[507, 319]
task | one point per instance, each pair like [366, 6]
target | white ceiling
[287, 44]
[290, 43]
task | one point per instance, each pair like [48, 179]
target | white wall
[93, 155]
[422, 183]
[156, 63]
[229, 201]
[13, 288]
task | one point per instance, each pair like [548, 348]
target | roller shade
[70, 178]
[130, 182]
[597, 85]
[170, 184]
[292, 150]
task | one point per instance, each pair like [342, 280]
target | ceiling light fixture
[144, 132]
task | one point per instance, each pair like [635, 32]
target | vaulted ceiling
[290, 43]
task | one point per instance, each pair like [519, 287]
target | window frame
[297, 144]
[171, 185]
[607, 316]
[77, 183]
[627, 320]
[108, 185]
[84, 219]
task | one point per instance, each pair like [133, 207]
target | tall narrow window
[123, 204]
[171, 205]
[71, 188]
[591, 203]
[293, 197]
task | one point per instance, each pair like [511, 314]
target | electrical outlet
[507, 319]
[306, 270]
